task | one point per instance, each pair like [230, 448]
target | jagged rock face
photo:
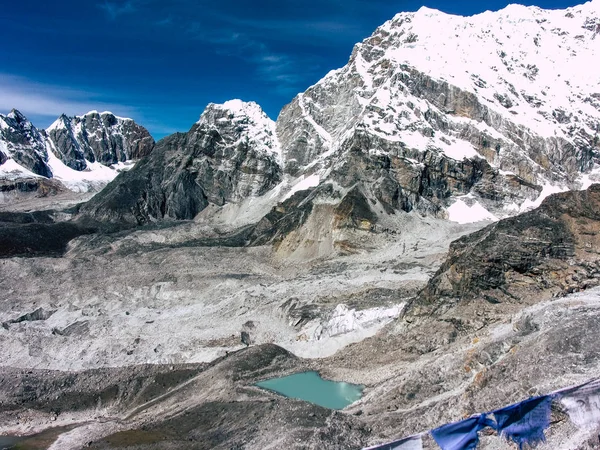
[101, 137]
[225, 157]
[24, 143]
[421, 87]
[73, 153]
[406, 179]
[548, 252]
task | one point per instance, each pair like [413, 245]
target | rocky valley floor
[134, 340]
[157, 297]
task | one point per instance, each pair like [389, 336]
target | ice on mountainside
[83, 152]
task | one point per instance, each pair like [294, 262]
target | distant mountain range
[82, 152]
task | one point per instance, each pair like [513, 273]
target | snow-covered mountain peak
[62, 122]
[238, 110]
[511, 94]
[17, 120]
[239, 121]
[23, 142]
[426, 11]
[241, 108]
[15, 114]
[105, 115]
[532, 65]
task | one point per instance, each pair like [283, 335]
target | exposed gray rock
[546, 253]
[24, 143]
[223, 158]
[101, 137]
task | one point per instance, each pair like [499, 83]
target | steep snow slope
[532, 65]
[514, 89]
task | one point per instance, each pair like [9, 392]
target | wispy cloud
[116, 9]
[34, 98]
[287, 48]
[287, 71]
[43, 103]
[165, 22]
[293, 29]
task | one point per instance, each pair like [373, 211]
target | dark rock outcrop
[38, 314]
[37, 234]
[405, 179]
[22, 187]
[548, 252]
[286, 217]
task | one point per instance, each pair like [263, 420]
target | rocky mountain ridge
[500, 90]
[230, 154]
[101, 137]
[78, 153]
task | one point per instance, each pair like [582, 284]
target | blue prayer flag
[525, 422]
[461, 435]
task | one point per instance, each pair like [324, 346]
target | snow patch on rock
[11, 170]
[461, 212]
[547, 190]
[94, 178]
[345, 320]
[303, 183]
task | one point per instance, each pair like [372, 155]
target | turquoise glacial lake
[310, 387]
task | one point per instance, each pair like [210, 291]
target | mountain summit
[230, 154]
[508, 96]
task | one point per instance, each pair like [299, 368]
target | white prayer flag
[583, 404]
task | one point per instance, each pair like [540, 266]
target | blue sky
[162, 62]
